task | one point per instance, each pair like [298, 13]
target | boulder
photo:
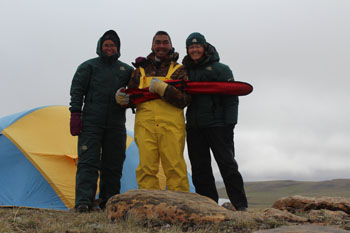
[229, 206]
[281, 216]
[319, 216]
[168, 206]
[300, 203]
[304, 229]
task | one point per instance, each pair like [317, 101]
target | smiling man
[159, 124]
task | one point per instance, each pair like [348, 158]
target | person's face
[161, 46]
[109, 48]
[195, 51]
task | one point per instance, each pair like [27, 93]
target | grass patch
[48, 221]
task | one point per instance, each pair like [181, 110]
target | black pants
[220, 141]
[101, 152]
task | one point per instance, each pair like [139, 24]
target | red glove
[140, 61]
[75, 123]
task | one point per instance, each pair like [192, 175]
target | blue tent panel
[23, 185]
[128, 180]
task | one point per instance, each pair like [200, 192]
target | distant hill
[263, 194]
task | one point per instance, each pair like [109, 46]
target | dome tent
[38, 159]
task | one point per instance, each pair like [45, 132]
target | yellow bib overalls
[160, 136]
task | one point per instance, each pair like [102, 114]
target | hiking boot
[96, 209]
[242, 208]
[82, 209]
[96, 205]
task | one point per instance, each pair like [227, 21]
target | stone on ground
[168, 206]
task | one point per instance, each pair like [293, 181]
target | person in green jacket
[210, 124]
[100, 123]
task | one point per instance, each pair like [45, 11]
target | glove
[121, 97]
[158, 86]
[75, 123]
[140, 61]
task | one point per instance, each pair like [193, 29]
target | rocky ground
[193, 211]
[142, 211]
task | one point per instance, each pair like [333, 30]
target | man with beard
[159, 124]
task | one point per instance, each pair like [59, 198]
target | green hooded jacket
[94, 86]
[210, 110]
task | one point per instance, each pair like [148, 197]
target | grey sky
[296, 54]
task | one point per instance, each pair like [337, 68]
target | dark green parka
[94, 86]
[210, 110]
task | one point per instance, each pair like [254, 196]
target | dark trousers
[220, 140]
[101, 152]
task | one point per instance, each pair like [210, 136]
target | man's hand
[121, 97]
[158, 86]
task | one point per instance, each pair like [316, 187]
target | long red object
[223, 88]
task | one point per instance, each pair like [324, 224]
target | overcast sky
[296, 54]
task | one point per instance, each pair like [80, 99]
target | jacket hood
[109, 35]
[210, 56]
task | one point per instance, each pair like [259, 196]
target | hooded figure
[100, 122]
[210, 121]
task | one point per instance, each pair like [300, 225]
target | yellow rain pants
[160, 137]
